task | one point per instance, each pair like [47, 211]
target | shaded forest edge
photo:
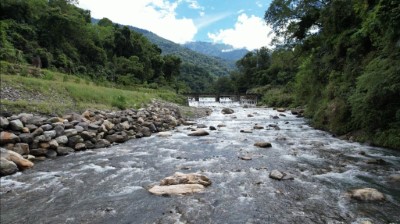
[338, 59]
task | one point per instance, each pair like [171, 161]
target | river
[109, 185]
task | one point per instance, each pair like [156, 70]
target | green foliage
[119, 102]
[348, 73]
[63, 37]
[277, 97]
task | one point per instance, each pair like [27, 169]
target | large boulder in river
[16, 158]
[227, 111]
[199, 132]
[263, 144]
[180, 189]
[7, 167]
[366, 194]
[180, 184]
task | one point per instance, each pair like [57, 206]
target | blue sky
[236, 22]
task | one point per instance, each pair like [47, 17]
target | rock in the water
[7, 167]
[199, 132]
[246, 131]
[182, 178]
[281, 110]
[250, 115]
[164, 134]
[227, 111]
[180, 189]
[180, 184]
[16, 158]
[245, 158]
[62, 151]
[212, 128]
[263, 144]
[102, 143]
[201, 126]
[258, 127]
[276, 174]
[366, 194]
[376, 161]
[394, 178]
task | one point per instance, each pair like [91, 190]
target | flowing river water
[109, 185]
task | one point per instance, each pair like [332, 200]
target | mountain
[216, 66]
[223, 51]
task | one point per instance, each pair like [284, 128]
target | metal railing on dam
[205, 98]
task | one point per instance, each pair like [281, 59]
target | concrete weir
[242, 99]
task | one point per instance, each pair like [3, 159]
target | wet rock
[187, 123]
[39, 152]
[263, 144]
[201, 126]
[281, 110]
[246, 131]
[376, 161]
[245, 158]
[212, 128]
[181, 189]
[7, 167]
[227, 111]
[366, 194]
[199, 132]
[62, 151]
[221, 125]
[16, 158]
[102, 143]
[145, 131]
[275, 117]
[394, 178]
[164, 134]
[182, 178]
[276, 174]
[258, 127]
[250, 115]
[181, 184]
[51, 153]
[8, 137]
[16, 125]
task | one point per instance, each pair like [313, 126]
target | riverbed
[110, 185]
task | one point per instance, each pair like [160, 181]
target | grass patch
[58, 93]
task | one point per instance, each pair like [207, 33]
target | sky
[238, 23]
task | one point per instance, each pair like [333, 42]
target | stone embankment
[27, 138]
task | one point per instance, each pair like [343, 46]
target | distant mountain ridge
[223, 51]
[215, 65]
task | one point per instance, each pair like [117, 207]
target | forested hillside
[219, 50]
[339, 59]
[57, 35]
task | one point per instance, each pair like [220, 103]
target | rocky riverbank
[28, 138]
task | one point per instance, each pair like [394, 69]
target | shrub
[119, 102]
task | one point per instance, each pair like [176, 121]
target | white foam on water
[144, 153]
[289, 157]
[243, 199]
[97, 168]
[125, 190]
[8, 183]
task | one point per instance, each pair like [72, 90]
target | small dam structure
[200, 99]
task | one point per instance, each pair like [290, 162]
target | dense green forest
[338, 59]
[55, 34]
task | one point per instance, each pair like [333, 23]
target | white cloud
[209, 19]
[157, 16]
[259, 4]
[250, 32]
